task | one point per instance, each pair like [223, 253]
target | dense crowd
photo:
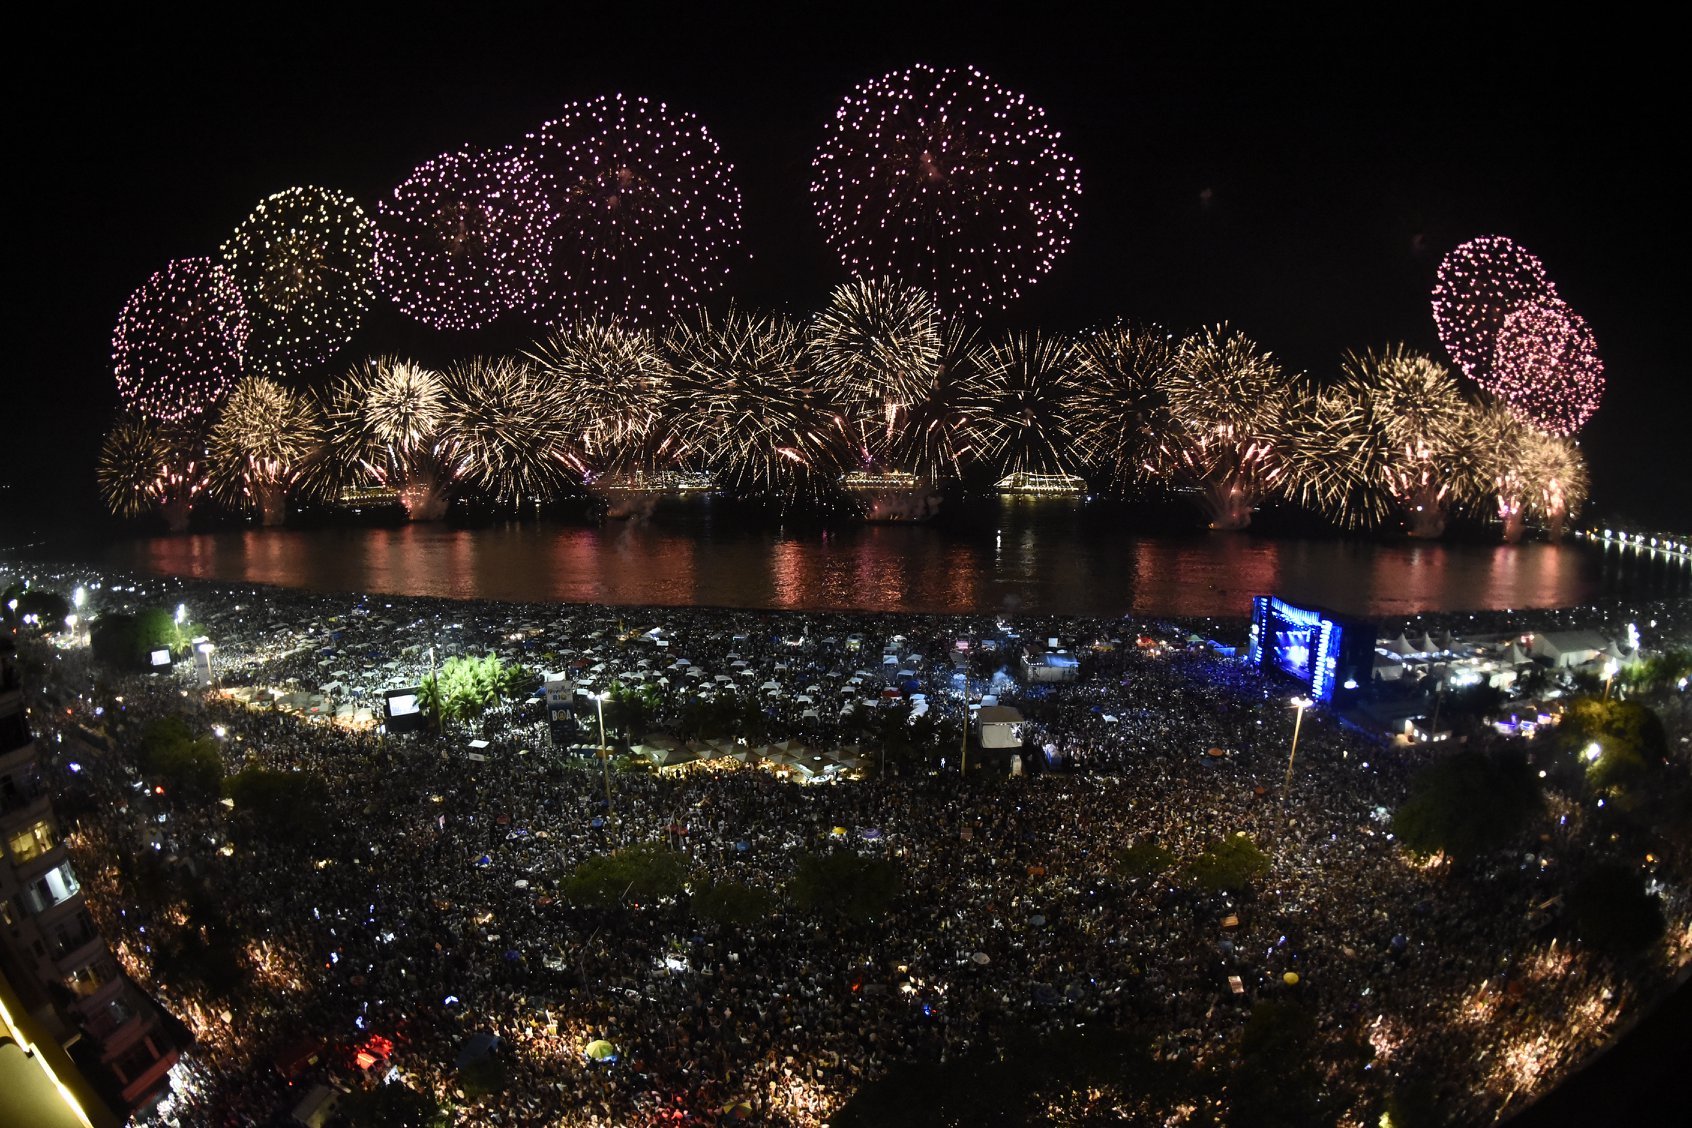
[442, 919]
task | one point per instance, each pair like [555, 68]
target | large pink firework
[1479, 284]
[947, 181]
[646, 215]
[178, 344]
[463, 238]
[1503, 322]
[1546, 366]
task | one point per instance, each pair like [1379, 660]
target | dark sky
[1340, 160]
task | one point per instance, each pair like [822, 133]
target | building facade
[55, 960]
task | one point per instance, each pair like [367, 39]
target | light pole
[605, 760]
[1301, 703]
[1610, 669]
[435, 688]
[963, 752]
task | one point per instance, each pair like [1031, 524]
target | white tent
[1569, 648]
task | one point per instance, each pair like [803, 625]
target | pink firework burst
[1478, 285]
[1546, 365]
[462, 239]
[179, 340]
[947, 181]
[646, 215]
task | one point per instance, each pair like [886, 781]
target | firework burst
[462, 238]
[504, 431]
[1478, 284]
[1022, 404]
[1123, 374]
[145, 466]
[1546, 365]
[612, 380]
[935, 436]
[1415, 426]
[948, 181]
[260, 444]
[179, 340]
[645, 214]
[382, 424]
[305, 262]
[744, 400]
[1557, 481]
[876, 344]
[1225, 395]
[1333, 463]
[1498, 449]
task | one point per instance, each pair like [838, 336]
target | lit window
[54, 887]
[86, 980]
[31, 842]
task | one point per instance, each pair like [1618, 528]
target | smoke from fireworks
[305, 262]
[179, 338]
[1022, 405]
[259, 445]
[504, 431]
[462, 238]
[743, 400]
[947, 181]
[646, 216]
[612, 380]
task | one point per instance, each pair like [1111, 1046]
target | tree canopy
[1629, 736]
[190, 767]
[644, 872]
[730, 902]
[845, 885]
[392, 1105]
[1612, 912]
[466, 687]
[287, 808]
[1230, 866]
[1468, 804]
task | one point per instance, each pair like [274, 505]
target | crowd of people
[435, 913]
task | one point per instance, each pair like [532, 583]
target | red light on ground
[366, 1059]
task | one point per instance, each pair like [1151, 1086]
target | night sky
[1297, 178]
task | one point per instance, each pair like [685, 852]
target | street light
[79, 596]
[1610, 669]
[605, 759]
[1301, 704]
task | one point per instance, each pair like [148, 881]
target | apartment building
[65, 979]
